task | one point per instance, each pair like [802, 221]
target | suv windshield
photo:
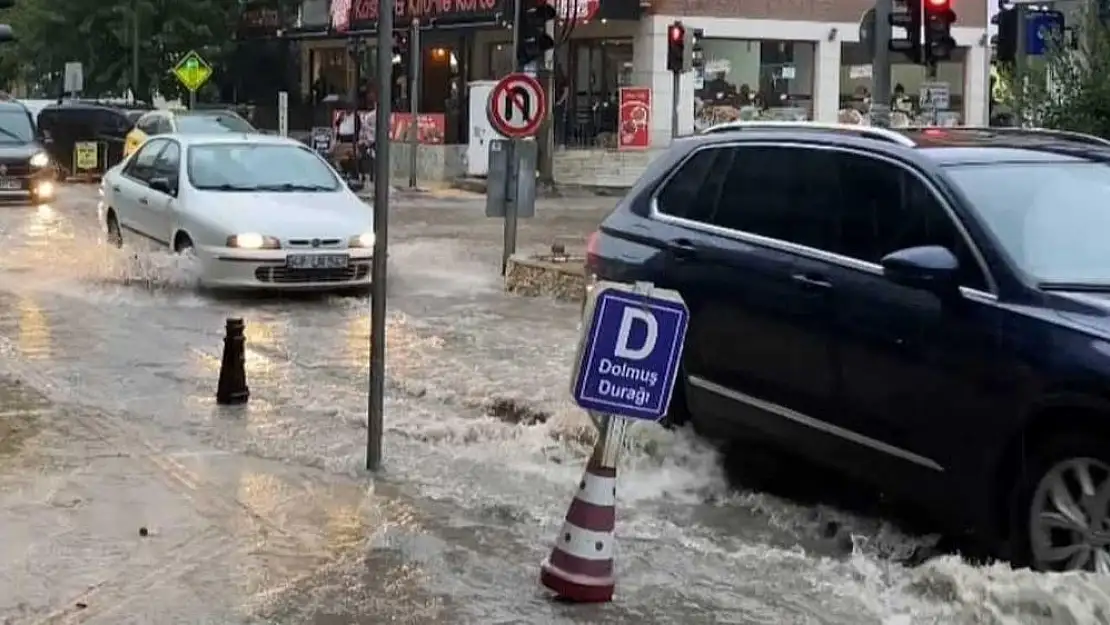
[15, 126]
[203, 124]
[1052, 218]
[254, 167]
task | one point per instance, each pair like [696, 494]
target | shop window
[909, 82]
[754, 79]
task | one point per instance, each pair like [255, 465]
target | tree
[97, 33]
[1067, 89]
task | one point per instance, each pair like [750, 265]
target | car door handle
[143, 200]
[811, 280]
[682, 248]
[115, 188]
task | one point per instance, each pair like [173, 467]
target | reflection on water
[263, 338]
[34, 339]
[356, 345]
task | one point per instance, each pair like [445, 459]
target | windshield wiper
[8, 133]
[1086, 287]
[288, 186]
[227, 186]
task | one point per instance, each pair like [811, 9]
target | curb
[478, 185]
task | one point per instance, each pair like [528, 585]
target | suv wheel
[1060, 510]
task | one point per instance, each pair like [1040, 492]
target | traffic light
[697, 52]
[910, 19]
[1005, 50]
[6, 4]
[676, 47]
[533, 39]
[938, 17]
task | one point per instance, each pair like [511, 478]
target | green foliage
[98, 33]
[1068, 89]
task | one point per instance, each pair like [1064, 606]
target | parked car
[203, 121]
[927, 310]
[257, 211]
[26, 173]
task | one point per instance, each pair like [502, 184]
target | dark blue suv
[927, 310]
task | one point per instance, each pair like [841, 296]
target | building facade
[778, 59]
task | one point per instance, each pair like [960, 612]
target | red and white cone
[580, 567]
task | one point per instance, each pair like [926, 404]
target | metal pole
[880, 64]
[676, 82]
[192, 100]
[1020, 60]
[508, 247]
[374, 425]
[135, 50]
[414, 100]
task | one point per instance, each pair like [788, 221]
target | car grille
[15, 169]
[285, 275]
[309, 243]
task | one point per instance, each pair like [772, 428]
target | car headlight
[366, 239]
[253, 241]
[40, 160]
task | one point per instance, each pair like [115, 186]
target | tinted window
[142, 165]
[783, 193]
[16, 126]
[885, 207]
[693, 190]
[201, 124]
[251, 166]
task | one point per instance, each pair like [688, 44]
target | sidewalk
[105, 526]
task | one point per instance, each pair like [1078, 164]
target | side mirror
[162, 184]
[355, 185]
[930, 267]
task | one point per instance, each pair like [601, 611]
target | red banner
[635, 118]
[430, 128]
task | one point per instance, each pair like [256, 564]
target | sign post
[516, 109]
[192, 72]
[414, 101]
[629, 354]
[283, 113]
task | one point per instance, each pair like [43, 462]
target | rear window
[223, 122]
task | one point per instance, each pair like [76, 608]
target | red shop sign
[635, 118]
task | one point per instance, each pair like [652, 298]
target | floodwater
[264, 513]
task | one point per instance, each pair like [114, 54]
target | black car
[26, 171]
[71, 123]
[925, 310]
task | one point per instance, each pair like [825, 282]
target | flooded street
[127, 496]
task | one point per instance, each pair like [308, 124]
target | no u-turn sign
[517, 106]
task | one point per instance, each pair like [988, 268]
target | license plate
[317, 261]
[10, 184]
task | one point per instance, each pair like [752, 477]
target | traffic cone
[580, 567]
[232, 387]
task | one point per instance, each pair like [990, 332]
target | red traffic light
[934, 6]
[676, 33]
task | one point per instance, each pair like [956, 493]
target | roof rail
[870, 132]
[1078, 137]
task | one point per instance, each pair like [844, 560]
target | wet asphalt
[128, 496]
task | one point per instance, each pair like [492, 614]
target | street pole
[508, 246]
[880, 64]
[676, 83]
[374, 421]
[192, 99]
[135, 50]
[414, 100]
[1021, 16]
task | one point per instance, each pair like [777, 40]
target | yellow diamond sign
[192, 71]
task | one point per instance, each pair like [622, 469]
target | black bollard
[232, 388]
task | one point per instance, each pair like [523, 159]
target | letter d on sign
[623, 349]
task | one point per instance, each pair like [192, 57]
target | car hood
[287, 215]
[1088, 309]
[19, 150]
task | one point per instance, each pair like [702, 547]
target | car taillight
[591, 243]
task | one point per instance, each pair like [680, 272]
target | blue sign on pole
[1040, 28]
[630, 351]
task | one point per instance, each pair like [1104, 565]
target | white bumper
[233, 268]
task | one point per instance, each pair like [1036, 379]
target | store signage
[365, 12]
